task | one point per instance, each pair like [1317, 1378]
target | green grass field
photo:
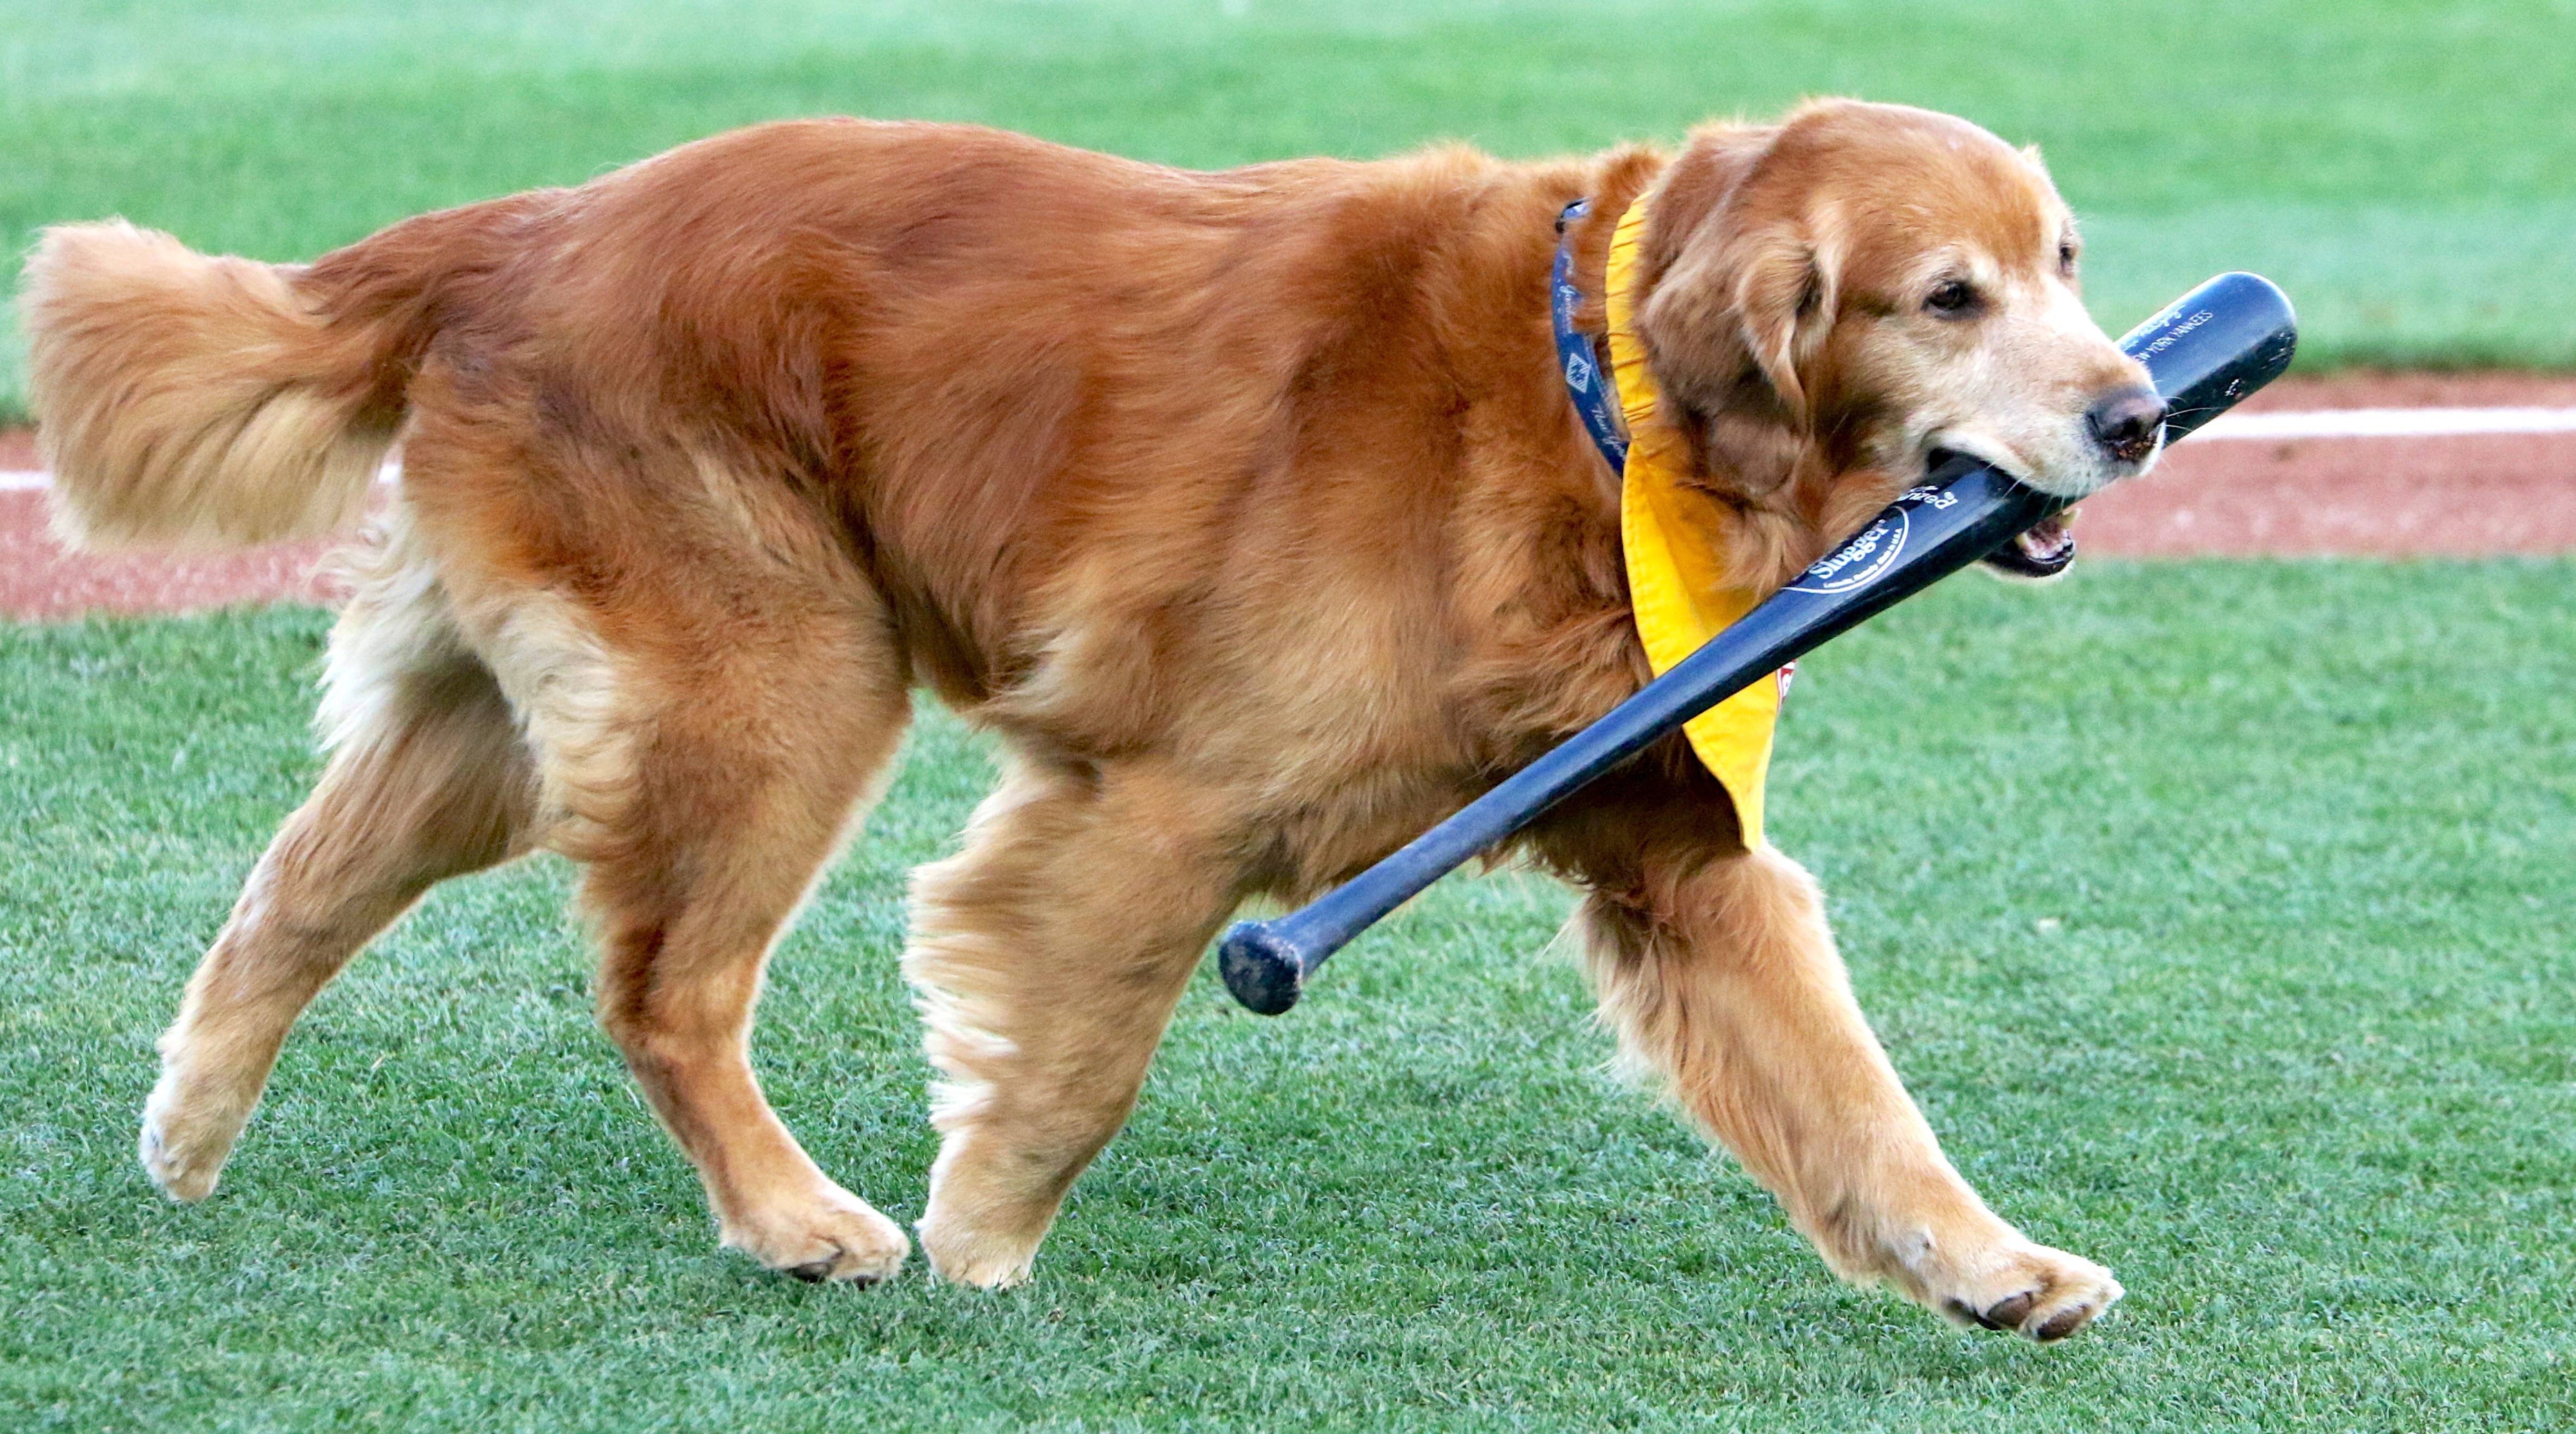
[2405, 168]
[2217, 913]
[2234, 954]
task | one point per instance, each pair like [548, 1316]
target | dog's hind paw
[833, 1236]
[2029, 1289]
[186, 1138]
[963, 1256]
[173, 1173]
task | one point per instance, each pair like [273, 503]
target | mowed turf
[2216, 913]
[2404, 168]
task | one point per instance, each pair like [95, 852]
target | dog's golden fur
[1247, 509]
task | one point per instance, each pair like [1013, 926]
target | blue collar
[1588, 380]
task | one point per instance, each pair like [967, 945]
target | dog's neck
[1743, 453]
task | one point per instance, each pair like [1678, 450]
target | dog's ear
[1782, 290]
[1743, 297]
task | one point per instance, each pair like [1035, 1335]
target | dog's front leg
[1721, 976]
[1049, 954]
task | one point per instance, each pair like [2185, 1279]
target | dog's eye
[2066, 260]
[1952, 299]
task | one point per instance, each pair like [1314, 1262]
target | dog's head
[1836, 298]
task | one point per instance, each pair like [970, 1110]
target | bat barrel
[2215, 345]
[2209, 349]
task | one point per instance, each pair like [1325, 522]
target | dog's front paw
[825, 1234]
[2014, 1285]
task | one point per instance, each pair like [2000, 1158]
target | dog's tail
[188, 400]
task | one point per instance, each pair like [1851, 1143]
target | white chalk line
[2391, 423]
[2322, 423]
[36, 480]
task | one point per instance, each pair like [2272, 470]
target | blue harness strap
[1587, 378]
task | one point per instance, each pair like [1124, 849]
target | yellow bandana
[1672, 534]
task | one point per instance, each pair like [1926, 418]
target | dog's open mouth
[2044, 551]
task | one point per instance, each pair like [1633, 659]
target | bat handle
[1266, 963]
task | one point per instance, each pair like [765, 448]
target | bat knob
[1261, 967]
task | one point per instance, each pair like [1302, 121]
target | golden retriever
[1247, 510]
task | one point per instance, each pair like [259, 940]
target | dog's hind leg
[428, 779]
[703, 747]
[1048, 955]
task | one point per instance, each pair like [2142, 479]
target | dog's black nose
[2126, 422]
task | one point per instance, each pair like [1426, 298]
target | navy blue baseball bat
[2206, 351]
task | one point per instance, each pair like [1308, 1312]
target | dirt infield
[39, 580]
[2469, 495]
